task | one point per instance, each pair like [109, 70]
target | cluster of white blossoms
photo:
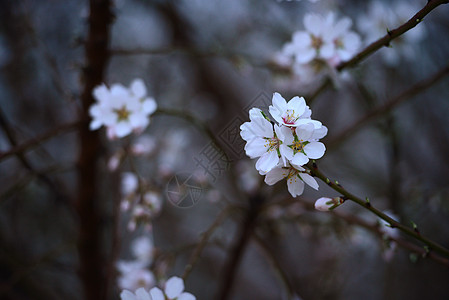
[174, 290]
[323, 44]
[283, 148]
[143, 203]
[121, 110]
[382, 17]
[135, 273]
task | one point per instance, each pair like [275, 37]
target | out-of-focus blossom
[382, 17]
[145, 145]
[140, 294]
[324, 38]
[121, 110]
[388, 233]
[317, 50]
[129, 184]
[143, 249]
[174, 289]
[135, 273]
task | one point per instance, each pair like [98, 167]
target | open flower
[174, 289]
[302, 145]
[296, 177]
[121, 110]
[292, 113]
[263, 141]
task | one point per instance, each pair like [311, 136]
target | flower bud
[327, 204]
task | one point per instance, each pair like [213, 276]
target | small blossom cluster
[284, 147]
[121, 110]
[323, 44]
[382, 17]
[135, 273]
[143, 203]
[174, 290]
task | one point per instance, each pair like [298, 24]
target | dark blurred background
[214, 60]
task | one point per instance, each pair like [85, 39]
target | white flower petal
[157, 294]
[300, 159]
[256, 147]
[267, 161]
[275, 175]
[186, 296]
[315, 150]
[304, 132]
[319, 133]
[149, 106]
[295, 186]
[138, 88]
[142, 294]
[174, 287]
[309, 180]
[127, 295]
[122, 129]
[297, 104]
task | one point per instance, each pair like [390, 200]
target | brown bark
[92, 267]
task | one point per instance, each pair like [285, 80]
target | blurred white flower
[143, 248]
[174, 289]
[129, 184]
[140, 294]
[121, 110]
[324, 38]
[296, 177]
[134, 274]
[389, 232]
[382, 17]
[145, 145]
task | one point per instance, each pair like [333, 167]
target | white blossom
[381, 18]
[121, 110]
[134, 274]
[296, 177]
[174, 289]
[263, 141]
[143, 248]
[140, 294]
[304, 146]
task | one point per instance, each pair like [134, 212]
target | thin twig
[367, 205]
[33, 142]
[276, 265]
[205, 236]
[388, 106]
[391, 35]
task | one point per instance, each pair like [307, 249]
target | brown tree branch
[91, 256]
[391, 35]
[388, 106]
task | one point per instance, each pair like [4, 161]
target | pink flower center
[290, 117]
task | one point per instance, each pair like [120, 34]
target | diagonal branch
[388, 106]
[433, 246]
[392, 34]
